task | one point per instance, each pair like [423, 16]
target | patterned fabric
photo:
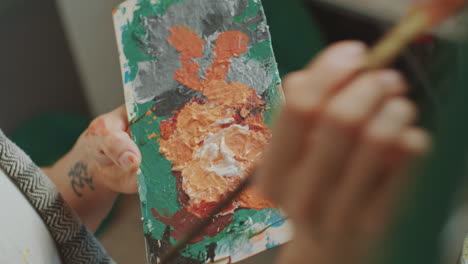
[75, 243]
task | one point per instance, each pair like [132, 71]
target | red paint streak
[190, 47]
[228, 45]
[168, 127]
[183, 221]
[425, 39]
[204, 209]
[238, 118]
[197, 100]
[256, 128]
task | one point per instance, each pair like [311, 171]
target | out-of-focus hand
[340, 155]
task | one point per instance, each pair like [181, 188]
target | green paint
[260, 51]
[275, 93]
[253, 7]
[162, 195]
[235, 235]
[263, 52]
[133, 38]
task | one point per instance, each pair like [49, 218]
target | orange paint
[200, 135]
[228, 45]
[229, 94]
[186, 42]
[188, 75]
[153, 135]
[253, 199]
[182, 136]
[190, 46]
[167, 128]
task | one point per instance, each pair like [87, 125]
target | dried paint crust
[202, 87]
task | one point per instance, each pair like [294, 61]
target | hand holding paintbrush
[332, 140]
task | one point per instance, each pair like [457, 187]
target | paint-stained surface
[202, 87]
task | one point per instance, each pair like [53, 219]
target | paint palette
[202, 89]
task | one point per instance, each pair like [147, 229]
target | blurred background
[60, 69]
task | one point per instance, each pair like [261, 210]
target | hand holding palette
[202, 88]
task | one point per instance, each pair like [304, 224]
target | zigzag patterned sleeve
[75, 243]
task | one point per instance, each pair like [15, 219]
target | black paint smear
[266, 97]
[154, 249]
[174, 100]
[257, 110]
[157, 248]
[170, 101]
[211, 252]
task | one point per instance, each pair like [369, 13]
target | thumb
[122, 151]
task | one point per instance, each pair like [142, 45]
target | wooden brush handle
[395, 41]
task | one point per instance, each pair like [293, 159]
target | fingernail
[390, 78]
[127, 160]
[348, 56]
[393, 82]
[351, 49]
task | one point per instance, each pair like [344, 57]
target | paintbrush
[204, 223]
[422, 17]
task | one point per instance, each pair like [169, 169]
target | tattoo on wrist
[79, 178]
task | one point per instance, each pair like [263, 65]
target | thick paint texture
[202, 87]
[190, 46]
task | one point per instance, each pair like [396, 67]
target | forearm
[78, 183]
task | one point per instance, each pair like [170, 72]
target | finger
[311, 84]
[367, 163]
[335, 136]
[281, 155]
[118, 180]
[413, 144]
[306, 90]
[121, 149]
[118, 119]
[110, 137]
[104, 125]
